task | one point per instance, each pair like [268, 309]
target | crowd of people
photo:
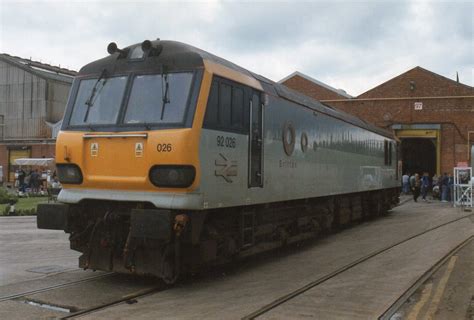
[440, 187]
[34, 182]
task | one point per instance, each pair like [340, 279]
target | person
[444, 181]
[416, 187]
[55, 184]
[406, 183]
[435, 180]
[450, 188]
[425, 185]
[21, 179]
[412, 181]
[435, 186]
[28, 181]
[35, 181]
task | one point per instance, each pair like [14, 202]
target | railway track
[295, 293]
[53, 287]
[133, 297]
[387, 315]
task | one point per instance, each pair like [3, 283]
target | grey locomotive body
[308, 150]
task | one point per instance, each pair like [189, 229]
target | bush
[6, 197]
[18, 212]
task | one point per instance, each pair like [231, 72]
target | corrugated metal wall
[27, 101]
[57, 98]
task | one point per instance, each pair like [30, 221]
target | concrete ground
[28, 253]
[448, 294]
[235, 291]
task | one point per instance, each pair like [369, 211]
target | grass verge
[24, 206]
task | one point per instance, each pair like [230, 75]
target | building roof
[317, 82]
[42, 70]
[420, 78]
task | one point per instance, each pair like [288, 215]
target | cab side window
[226, 107]
[212, 110]
[237, 115]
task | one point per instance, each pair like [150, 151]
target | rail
[387, 315]
[54, 287]
[337, 272]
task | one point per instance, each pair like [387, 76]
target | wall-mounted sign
[418, 105]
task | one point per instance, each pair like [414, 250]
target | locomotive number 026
[164, 147]
[228, 142]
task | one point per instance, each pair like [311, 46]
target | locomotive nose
[116, 160]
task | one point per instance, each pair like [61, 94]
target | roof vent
[153, 49]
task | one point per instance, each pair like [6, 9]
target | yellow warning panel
[94, 149]
[139, 149]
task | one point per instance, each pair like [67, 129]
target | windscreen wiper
[90, 101]
[164, 92]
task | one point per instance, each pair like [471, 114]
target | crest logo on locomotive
[288, 138]
[228, 168]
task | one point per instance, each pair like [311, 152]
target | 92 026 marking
[228, 142]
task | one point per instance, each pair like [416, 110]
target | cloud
[354, 45]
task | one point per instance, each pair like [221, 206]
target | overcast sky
[353, 45]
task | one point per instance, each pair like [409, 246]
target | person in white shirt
[406, 183]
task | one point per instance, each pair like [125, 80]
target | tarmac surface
[28, 253]
[364, 291]
[448, 293]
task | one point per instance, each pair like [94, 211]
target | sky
[353, 45]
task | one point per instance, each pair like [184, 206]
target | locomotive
[172, 159]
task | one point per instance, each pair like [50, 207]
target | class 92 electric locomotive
[172, 159]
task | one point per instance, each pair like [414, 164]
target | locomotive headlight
[172, 176]
[69, 173]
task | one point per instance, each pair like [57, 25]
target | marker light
[69, 173]
[172, 176]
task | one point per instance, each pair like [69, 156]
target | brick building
[433, 116]
[33, 97]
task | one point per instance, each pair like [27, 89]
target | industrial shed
[33, 97]
[433, 116]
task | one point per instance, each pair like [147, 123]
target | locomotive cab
[127, 157]
[118, 123]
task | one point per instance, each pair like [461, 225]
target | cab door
[256, 141]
